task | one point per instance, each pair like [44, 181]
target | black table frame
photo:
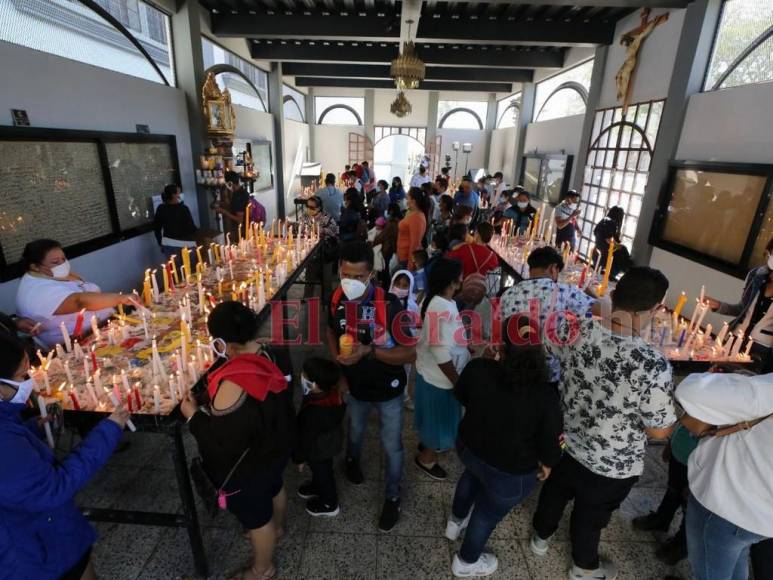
[173, 425]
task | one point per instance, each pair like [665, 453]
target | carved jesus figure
[633, 40]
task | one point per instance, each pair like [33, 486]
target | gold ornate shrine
[217, 109]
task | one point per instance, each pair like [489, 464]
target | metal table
[173, 425]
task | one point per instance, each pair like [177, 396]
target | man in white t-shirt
[421, 177]
[730, 472]
[499, 187]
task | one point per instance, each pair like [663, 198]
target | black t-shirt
[370, 379]
[239, 201]
[604, 230]
[508, 429]
[174, 221]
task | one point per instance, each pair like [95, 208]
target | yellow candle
[247, 221]
[186, 254]
[198, 255]
[120, 310]
[240, 232]
[147, 293]
[174, 270]
[607, 268]
[166, 278]
[680, 304]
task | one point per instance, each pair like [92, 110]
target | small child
[402, 287]
[320, 434]
[378, 227]
[420, 258]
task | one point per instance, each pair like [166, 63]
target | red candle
[74, 398]
[129, 402]
[78, 330]
[93, 359]
[581, 283]
[137, 398]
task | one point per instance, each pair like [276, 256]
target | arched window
[617, 168]
[291, 109]
[743, 48]
[243, 91]
[460, 118]
[567, 99]
[339, 115]
[509, 115]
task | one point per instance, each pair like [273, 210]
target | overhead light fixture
[400, 106]
[407, 69]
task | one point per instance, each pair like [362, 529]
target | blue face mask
[306, 386]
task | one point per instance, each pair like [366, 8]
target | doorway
[398, 152]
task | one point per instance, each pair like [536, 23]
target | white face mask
[399, 292]
[62, 270]
[522, 204]
[23, 390]
[770, 262]
[220, 348]
[353, 288]
[306, 385]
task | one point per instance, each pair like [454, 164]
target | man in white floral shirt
[543, 291]
[616, 390]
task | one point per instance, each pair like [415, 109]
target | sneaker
[539, 546]
[317, 508]
[672, 551]
[390, 514]
[606, 571]
[353, 471]
[455, 528]
[485, 566]
[307, 491]
[652, 522]
[435, 472]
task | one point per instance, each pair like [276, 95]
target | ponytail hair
[444, 272]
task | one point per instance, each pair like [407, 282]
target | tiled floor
[349, 546]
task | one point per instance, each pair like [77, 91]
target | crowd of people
[561, 400]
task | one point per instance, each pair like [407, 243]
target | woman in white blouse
[441, 354]
[51, 294]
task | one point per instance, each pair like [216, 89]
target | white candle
[67, 371]
[92, 394]
[702, 298]
[737, 345]
[65, 337]
[201, 298]
[231, 268]
[722, 333]
[46, 425]
[156, 400]
[145, 325]
[116, 404]
[124, 379]
[86, 367]
[98, 380]
[95, 327]
[154, 282]
[173, 389]
[747, 351]
[47, 383]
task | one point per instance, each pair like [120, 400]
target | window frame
[511, 105]
[559, 73]
[291, 97]
[444, 118]
[261, 69]
[567, 86]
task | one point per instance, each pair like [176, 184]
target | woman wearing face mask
[51, 294]
[316, 216]
[397, 192]
[248, 427]
[173, 224]
[42, 532]
[520, 211]
[441, 354]
[754, 313]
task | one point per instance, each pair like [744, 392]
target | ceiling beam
[351, 26]
[504, 30]
[634, 4]
[431, 54]
[441, 73]
[389, 84]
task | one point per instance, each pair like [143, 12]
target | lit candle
[198, 255]
[679, 305]
[65, 337]
[172, 389]
[154, 281]
[79, 323]
[76, 404]
[92, 394]
[156, 400]
[722, 333]
[95, 327]
[137, 396]
[737, 345]
[748, 350]
[116, 403]
[77, 351]
[186, 256]
[211, 254]
[46, 424]
[116, 388]
[175, 275]
[67, 371]
[165, 276]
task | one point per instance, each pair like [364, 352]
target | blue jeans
[493, 492]
[391, 416]
[717, 549]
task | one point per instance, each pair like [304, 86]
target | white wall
[331, 145]
[477, 156]
[296, 144]
[732, 125]
[60, 93]
[655, 61]
[502, 155]
[556, 135]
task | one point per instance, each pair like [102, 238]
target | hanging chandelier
[400, 106]
[407, 69]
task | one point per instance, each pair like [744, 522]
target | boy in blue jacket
[43, 535]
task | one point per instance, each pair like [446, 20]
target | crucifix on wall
[632, 40]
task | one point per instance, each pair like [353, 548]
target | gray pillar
[491, 123]
[189, 68]
[528, 93]
[434, 97]
[311, 121]
[370, 105]
[276, 108]
[594, 94]
[692, 58]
